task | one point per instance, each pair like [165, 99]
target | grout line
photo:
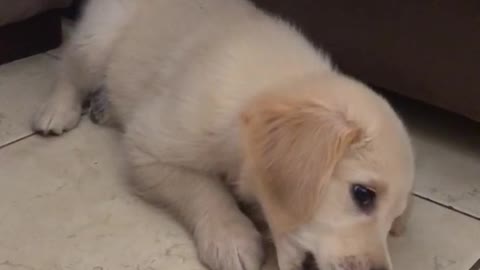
[448, 207]
[16, 140]
[476, 266]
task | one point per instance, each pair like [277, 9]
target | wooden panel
[34, 35]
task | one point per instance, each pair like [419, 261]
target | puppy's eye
[364, 197]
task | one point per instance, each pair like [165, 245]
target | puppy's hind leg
[61, 112]
[82, 67]
[79, 74]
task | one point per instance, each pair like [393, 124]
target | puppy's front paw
[57, 115]
[233, 245]
[399, 227]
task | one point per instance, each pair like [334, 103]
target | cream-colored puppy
[211, 88]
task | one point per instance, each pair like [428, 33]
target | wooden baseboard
[37, 34]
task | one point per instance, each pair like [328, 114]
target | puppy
[217, 87]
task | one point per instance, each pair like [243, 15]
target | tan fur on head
[279, 131]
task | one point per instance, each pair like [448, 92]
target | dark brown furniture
[28, 27]
[426, 50]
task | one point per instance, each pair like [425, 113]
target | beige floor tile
[24, 84]
[448, 174]
[437, 239]
[448, 158]
[64, 205]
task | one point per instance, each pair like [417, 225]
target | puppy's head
[332, 170]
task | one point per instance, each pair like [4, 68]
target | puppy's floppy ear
[294, 145]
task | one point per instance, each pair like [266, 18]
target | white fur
[179, 73]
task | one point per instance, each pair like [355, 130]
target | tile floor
[63, 204]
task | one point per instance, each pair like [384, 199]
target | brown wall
[428, 50]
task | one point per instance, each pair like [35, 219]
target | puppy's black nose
[309, 263]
